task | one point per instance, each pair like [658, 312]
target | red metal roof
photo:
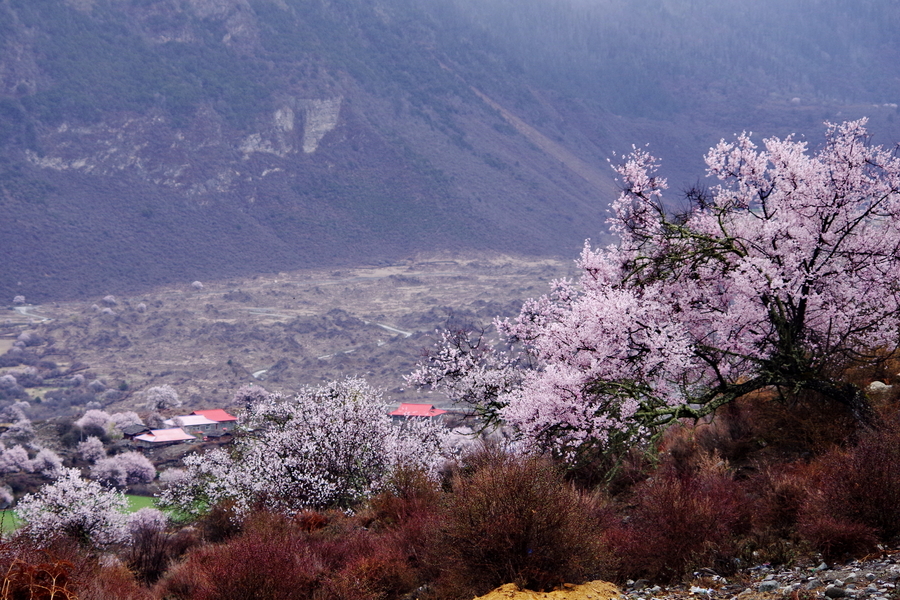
[216, 414]
[417, 410]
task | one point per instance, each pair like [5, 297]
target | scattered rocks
[874, 579]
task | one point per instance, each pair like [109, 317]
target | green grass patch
[136, 503]
[9, 521]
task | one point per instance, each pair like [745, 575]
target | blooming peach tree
[328, 446]
[779, 276]
[77, 508]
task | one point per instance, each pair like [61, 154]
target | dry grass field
[281, 330]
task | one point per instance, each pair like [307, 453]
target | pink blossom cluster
[788, 267]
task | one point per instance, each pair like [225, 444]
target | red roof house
[216, 414]
[408, 409]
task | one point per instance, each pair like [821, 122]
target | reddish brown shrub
[514, 520]
[376, 569]
[778, 494]
[680, 521]
[220, 523]
[837, 538]
[40, 581]
[254, 565]
[856, 494]
[113, 583]
[765, 428]
[277, 557]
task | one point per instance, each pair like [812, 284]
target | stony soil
[872, 578]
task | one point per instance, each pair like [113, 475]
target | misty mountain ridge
[150, 141]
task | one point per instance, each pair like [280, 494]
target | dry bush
[37, 580]
[764, 428]
[512, 519]
[113, 583]
[254, 565]
[855, 498]
[679, 521]
[371, 567]
[321, 555]
[151, 552]
[220, 523]
[775, 495]
[61, 570]
[836, 537]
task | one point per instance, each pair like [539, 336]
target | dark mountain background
[150, 141]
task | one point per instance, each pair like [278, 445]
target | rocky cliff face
[151, 141]
[214, 137]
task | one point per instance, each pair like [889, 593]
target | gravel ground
[874, 578]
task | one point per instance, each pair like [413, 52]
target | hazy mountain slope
[147, 141]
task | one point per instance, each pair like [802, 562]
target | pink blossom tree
[780, 276]
[47, 462]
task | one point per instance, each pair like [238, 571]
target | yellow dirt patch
[592, 590]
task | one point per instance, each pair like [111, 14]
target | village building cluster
[216, 422]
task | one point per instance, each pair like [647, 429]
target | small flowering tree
[94, 418]
[76, 508]
[47, 462]
[124, 469]
[91, 449]
[161, 397]
[778, 277]
[329, 446]
[15, 460]
[121, 420]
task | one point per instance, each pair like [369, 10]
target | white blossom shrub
[15, 460]
[161, 397]
[121, 420]
[19, 299]
[147, 519]
[21, 431]
[197, 285]
[142, 307]
[329, 446]
[77, 508]
[172, 476]
[94, 418]
[8, 381]
[47, 463]
[110, 300]
[124, 469]
[248, 395]
[91, 449]
[6, 496]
